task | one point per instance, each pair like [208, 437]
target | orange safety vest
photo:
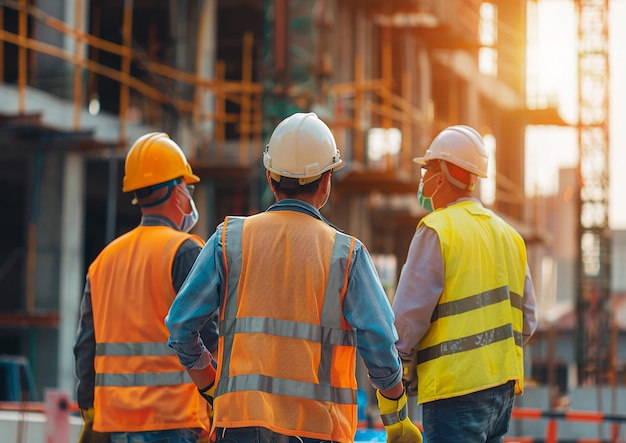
[140, 384]
[286, 354]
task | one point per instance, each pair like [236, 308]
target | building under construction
[80, 80]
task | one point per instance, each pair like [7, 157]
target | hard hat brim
[421, 160]
[191, 178]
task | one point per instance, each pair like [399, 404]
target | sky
[552, 73]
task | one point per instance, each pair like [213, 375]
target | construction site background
[80, 80]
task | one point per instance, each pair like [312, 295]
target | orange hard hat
[153, 159]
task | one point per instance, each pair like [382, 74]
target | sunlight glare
[488, 185]
[552, 58]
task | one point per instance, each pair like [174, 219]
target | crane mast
[594, 354]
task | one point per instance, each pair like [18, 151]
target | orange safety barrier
[36, 406]
[554, 416]
[60, 403]
[56, 408]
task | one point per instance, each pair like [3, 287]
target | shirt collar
[464, 199]
[292, 204]
[157, 220]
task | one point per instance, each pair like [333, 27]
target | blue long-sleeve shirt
[366, 307]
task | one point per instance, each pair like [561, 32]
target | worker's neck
[315, 200]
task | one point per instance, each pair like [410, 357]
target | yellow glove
[88, 435]
[208, 393]
[409, 375]
[395, 417]
[209, 412]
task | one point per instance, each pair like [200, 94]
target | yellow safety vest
[287, 357]
[475, 338]
[140, 384]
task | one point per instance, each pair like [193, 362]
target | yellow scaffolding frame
[363, 99]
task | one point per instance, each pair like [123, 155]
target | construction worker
[297, 299]
[130, 383]
[465, 303]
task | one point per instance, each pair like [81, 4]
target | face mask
[190, 220]
[426, 202]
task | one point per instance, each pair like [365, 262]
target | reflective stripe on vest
[469, 343]
[395, 417]
[128, 349]
[473, 341]
[139, 379]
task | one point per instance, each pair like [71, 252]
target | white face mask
[190, 220]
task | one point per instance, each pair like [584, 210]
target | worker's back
[287, 278]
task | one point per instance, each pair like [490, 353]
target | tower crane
[594, 349]
[594, 355]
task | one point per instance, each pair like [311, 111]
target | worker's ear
[269, 180]
[326, 181]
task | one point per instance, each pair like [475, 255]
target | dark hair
[290, 187]
[145, 193]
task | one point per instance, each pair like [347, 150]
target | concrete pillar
[52, 73]
[72, 274]
[472, 108]
[207, 54]
[46, 179]
[425, 97]
[179, 12]
[200, 57]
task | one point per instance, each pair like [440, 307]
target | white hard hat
[302, 147]
[460, 145]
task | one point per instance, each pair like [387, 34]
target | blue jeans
[259, 435]
[169, 436]
[480, 417]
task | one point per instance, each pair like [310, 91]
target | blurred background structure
[80, 80]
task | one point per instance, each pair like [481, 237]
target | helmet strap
[170, 187]
[455, 181]
[292, 183]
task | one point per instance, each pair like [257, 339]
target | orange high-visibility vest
[140, 384]
[286, 354]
